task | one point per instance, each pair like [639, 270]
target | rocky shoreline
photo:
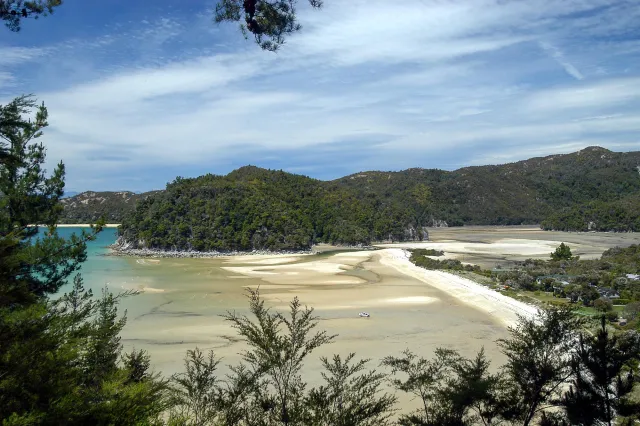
[117, 251]
[125, 249]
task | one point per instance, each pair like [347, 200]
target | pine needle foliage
[269, 21]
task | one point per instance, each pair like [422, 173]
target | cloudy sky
[140, 92]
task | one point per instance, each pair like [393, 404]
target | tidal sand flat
[503, 309]
[188, 296]
[181, 300]
[491, 246]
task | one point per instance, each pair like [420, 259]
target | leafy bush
[562, 252]
[603, 305]
[419, 259]
[428, 252]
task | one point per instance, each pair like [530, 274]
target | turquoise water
[181, 301]
[98, 270]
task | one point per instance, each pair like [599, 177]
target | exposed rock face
[591, 226]
[123, 247]
[416, 234]
[96, 198]
[438, 223]
[121, 250]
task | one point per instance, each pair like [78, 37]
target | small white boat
[364, 315]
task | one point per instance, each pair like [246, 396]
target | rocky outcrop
[120, 251]
[412, 233]
[126, 248]
[439, 223]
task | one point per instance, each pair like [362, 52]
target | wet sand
[501, 308]
[496, 246]
[405, 312]
[188, 296]
[421, 310]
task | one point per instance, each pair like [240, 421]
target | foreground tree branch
[270, 21]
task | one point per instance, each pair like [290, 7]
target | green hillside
[523, 192]
[620, 215]
[253, 208]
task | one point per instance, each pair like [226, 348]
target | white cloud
[429, 83]
[11, 56]
[6, 79]
[560, 58]
[599, 95]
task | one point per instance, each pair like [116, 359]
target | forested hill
[257, 208]
[547, 189]
[253, 208]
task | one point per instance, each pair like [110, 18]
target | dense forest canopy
[620, 215]
[254, 208]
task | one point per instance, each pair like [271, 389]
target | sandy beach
[282, 274]
[500, 246]
[504, 309]
[407, 311]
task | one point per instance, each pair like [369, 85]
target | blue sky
[140, 92]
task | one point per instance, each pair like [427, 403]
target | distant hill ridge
[257, 208]
[89, 206]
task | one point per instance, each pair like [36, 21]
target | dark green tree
[589, 295]
[104, 349]
[421, 196]
[632, 310]
[454, 390]
[602, 305]
[138, 364]
[603, 377]
[270, 21]
[539, 361]
[57, 366]
[425, 380]
[351, 396]
[31, 265]
[483, 397]
[196, 392]
[267, 387]
[14, 11]
[279, 345]
[562, 252]
[58, 358]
